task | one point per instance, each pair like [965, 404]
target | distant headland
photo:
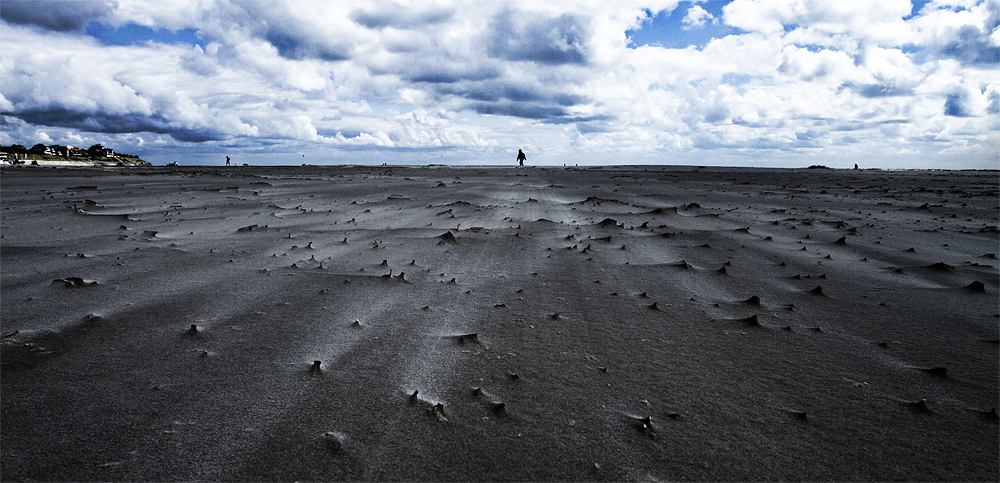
[18, 154]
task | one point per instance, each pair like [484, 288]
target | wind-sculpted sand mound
[435, 323]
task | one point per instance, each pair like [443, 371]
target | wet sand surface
[499, 324]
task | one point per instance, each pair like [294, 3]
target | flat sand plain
[487, 323]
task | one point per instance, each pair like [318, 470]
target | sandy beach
[503, 324]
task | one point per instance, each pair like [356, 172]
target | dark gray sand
[499, 324]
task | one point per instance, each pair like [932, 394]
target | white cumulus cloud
[696, 17]
[475, 80]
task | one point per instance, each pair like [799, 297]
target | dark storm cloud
[501, 92]
[874, 91]
[716, 113]
[593, 127]
[446, 73]
[293, 44]
[114, 124]
[994, 105]
[334, 132]
[516, 99]
[809, 135]
[539, 112]
[294, 39]
[579, 119]
[521, 109]
[859, 126]
[438, 77]
[973, 46]
[955, 105]
[713, 142]
[522, 36]
[396, 16]
[62, 16]
[929, 138]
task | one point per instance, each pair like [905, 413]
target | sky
[764, 83]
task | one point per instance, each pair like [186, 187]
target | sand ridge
[485, 323]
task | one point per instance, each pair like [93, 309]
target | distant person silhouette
[227, 160]
[521, 157]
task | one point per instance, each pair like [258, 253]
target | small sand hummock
[679, 323]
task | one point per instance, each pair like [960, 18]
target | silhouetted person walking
[227, 160]
[521, 157]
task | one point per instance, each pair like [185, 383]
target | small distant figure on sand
[521, 157]
[855, 166]
[227, 160]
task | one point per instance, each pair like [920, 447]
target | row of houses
[95, 151]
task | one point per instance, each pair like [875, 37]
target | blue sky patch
[667, 29]
[132, 34]
[736, 79]
[918, 5]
